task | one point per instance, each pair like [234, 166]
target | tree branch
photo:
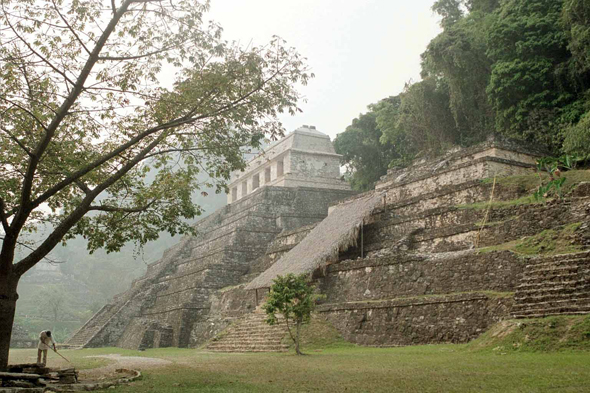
[70, 27]
[122, 58]
[68, 223]
[107, 208]
[17, 141]
[26, 206]
[83, 186]
[25, 245]
[28, 112]
[3, 218]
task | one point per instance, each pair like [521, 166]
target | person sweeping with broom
[45, 343]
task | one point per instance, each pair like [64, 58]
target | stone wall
[433, 319]
[178, 291]
[303, 158]
[414, 275]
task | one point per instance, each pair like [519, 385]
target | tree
[86, 111]
[363, 154]
[450, 11]
[526, 45]
[52, 299]
[293, 297]
[426, 117]
[458, 55]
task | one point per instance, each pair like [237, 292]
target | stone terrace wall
[431, 294]
[407, 321]
[178, 290]
[414, 275]
[405, 300]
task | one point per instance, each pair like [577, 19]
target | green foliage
[547, 242]
[293, 298]
[365, 153]
[577, 137]
[520, 68]
[576, 25]
[51, 301]
[544, 190]
[552, 166]
[426, 118]
[449, 10]
[526, 43]
[458, 56]
[457, 368]
[86, 117]
[550, 334]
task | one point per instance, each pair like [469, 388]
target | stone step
[566, 260]
[247, 335]
[239, 342]
[251, 334]
[262, 326]
[259, 325]
[534, 270]
[550, 297]
[553, 285]
[549, 294]
[565, 310]
[233, 349]
[83, 337]
[247, 345]
[260, 341]
[560, 258]
[552, 304]
[549, 279]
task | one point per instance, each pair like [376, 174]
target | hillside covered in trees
[519, 68]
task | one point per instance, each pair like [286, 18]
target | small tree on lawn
[293, 297]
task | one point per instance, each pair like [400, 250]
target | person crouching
[45, 343]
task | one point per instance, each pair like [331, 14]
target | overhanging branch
[107, 208]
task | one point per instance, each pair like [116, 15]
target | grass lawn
[432, 368]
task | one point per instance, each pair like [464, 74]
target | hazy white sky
[360, 50]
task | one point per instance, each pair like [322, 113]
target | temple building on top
[304, 158]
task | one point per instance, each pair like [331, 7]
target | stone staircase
[93, 326]
[86, 332]
[251, 334]
[557, 285]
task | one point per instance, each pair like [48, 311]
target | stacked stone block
[554, 286]
[252, 334]
[175, 296]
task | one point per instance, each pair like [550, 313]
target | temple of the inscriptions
[183, 299]
[430, 255]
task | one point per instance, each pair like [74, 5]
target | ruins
[422, 258]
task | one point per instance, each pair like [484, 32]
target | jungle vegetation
[518, 68]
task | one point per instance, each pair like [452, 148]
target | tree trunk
[8, 297]
[297, 351]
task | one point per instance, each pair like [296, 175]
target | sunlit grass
[434, 368]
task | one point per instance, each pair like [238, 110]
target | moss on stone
[542, 334]
[547, 242]
[532, 180]
[527, 200]
[529, 183]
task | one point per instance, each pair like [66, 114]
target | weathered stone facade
[420, 272]
[304, 158]
[183, 299]
[426, 276]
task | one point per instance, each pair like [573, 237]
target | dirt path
[127, 362]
